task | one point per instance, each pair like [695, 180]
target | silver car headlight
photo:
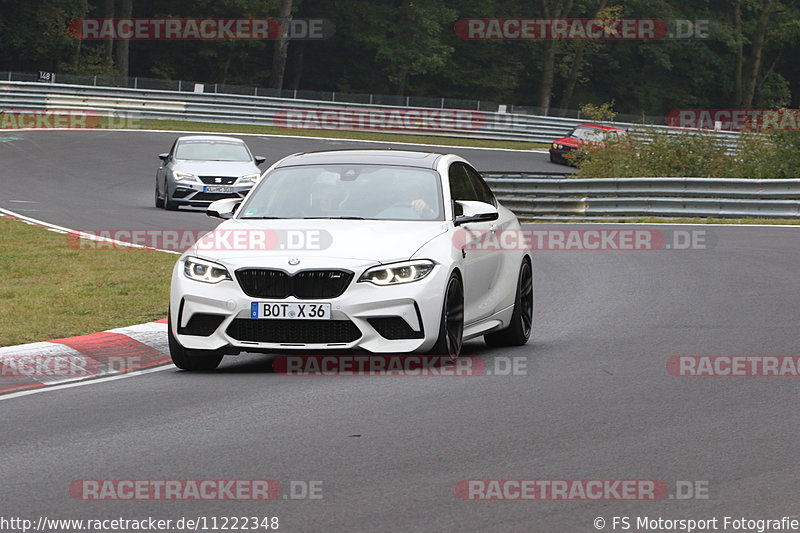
[250, 178]
[396, 273]
[183, 176]
[205, 271]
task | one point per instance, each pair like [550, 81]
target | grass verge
[181, 125]
[51, 290]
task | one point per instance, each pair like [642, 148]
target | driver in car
[408, 192]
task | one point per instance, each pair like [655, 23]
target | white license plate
[217, 188]
[294, 311]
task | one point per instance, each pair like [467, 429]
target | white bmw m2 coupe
[380, 251]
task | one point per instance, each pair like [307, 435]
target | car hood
[217, 168]
[241, 242]
[569, 141]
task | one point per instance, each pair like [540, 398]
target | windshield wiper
[259, 218]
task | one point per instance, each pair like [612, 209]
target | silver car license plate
[293, 311]
[217, 188]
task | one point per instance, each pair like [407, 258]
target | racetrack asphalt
[594, 400]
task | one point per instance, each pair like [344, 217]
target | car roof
[364, 157]
[599, 127]
[209, 138]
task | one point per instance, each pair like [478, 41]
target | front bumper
[389, 319]
[201, 194]
[557, 155]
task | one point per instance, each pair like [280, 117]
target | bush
[692, 154]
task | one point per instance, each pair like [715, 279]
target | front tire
[169, 205]
[159, 201]
[519, 330]
[451, 325]
[193, 360]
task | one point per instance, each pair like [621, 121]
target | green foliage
[410, 47]
[413, 45]
[599, 113]
[771, 155]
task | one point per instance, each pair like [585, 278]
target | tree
[125, 10]
[581, 46]
[412, 44]
[551, 9]
[752, 66]
[281, 46]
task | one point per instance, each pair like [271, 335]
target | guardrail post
[215, 88]
[333, 96]
[179, 85]
[370, 98]
[136, 82]
[408, 98]
[295, 94]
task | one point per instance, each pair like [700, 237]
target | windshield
[362, 192]
[212, 151]
[594, 134]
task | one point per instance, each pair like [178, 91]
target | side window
[482, 190]
[460, 184]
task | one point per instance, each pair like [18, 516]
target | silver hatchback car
[200, 169]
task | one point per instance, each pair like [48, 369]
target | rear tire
[451, 325]
[193, 360]
[519, 330]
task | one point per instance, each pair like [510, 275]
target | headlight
[395, 273]
[183, 176]
[555, 145]
[252, 178]
[205, 271]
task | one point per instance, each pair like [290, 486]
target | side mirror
[260, 159]
[471, 211]
[163, 157]
[224, 208]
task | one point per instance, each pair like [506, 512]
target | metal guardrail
[305, 114]
[662, 197]
[529, 194]
[139, 82]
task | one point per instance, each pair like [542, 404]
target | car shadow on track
[493, 359]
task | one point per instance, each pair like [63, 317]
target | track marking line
[87, 382]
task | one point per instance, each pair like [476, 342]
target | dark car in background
[200, 169]
[584, 136]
